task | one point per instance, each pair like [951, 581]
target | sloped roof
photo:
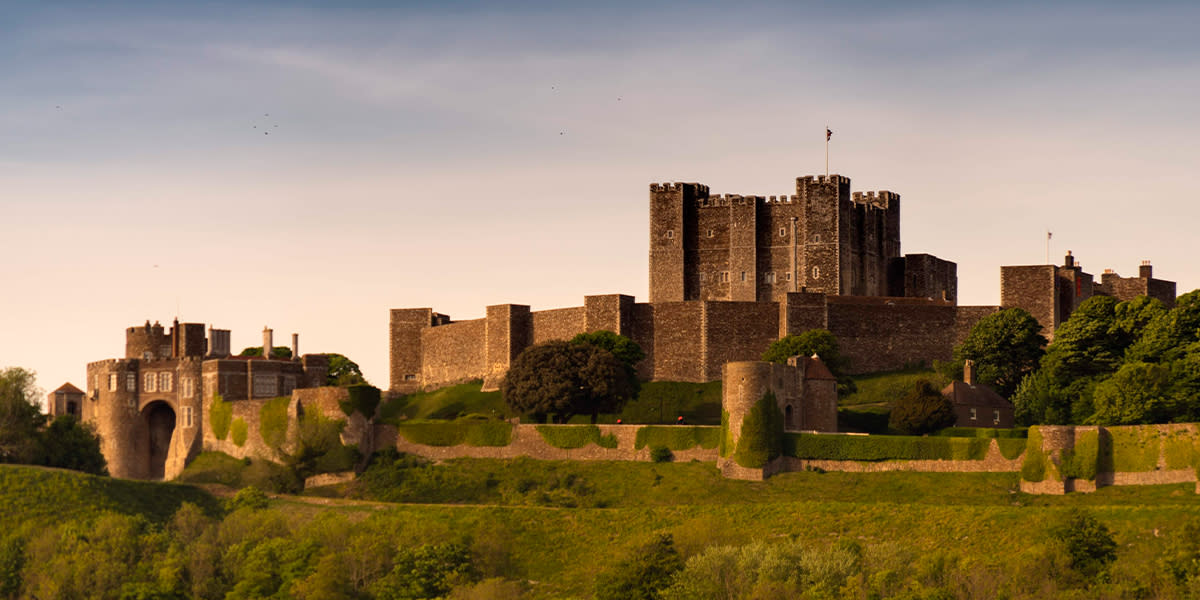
[965, 394]
[815, 369]
[67, 388]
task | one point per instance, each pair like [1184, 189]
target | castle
[730, 274]
[149, 406]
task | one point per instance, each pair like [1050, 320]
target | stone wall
[526, 441]
[453, 353]
[881, 334]
[559, 324]
[736, 331]
[1035, 289]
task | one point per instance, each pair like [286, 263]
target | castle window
[131, 382]
[787, 276]
[289, 384]
[189, 386]
[73, 409]
[164, 351]
[770, 277]
[188, 417]
[995, 417]
[112, 382]
[724, 276]
[972, 414]
[702, 278]
[816, 273]
[816, 238]
[164, 381]
[710, 233]
[783, 232]
[265, 386]
[670, 234]
[150, 382]
[410, 377]
[743, 276]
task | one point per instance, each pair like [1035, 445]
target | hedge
[220, 415]
[1135, 449]
[362, 398]
[455, 433]
[238, 431]
[575, 436]
[1011, 448]
[724, 447]
[883, 447]
[1083, 461]
[1179, 450]
[1033, 468]
[675, 437]
[985, 432]
[273, 421]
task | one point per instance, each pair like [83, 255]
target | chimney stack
[1146, 271]
[1069, 261]
[969, 372]
[295, 345]
[268, 336]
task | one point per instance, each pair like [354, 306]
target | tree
[820, 342]
[277, 352]
[565, 379]
[1138, 393]
[69, 444]
[1166, 336]
[1088, 542]
[21, 416]
[642, 575]
[922, 410]
[625, 349]
[343, 371]
[1005, 347]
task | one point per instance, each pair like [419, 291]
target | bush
[575, 436]
[238, 432]
[248, 497]
[643, 574]
[69, 444]
[1033, 468]
[1088, 542]
[220, 415]
[660, 454]
[663, 401]
[362, 398]
[922, 410]
[1011, 448]
[273, 421]
[762, 430]
[873, 420]
[470, 433]
[1135, 449]
[985, 432]
[677, 437]
[882, 447]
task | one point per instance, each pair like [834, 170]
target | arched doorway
[788, 423]
[160, 424]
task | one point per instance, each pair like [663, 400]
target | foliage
[248, 497]
[1089, 543]
[564, 379]
[1169, 334]
[882, 389]
[1137, 393]
[1134, 449]
[1083, 461]
[444, 403]
[1038, 401]
[220, 415]
[882, 447]
[70, 444]
[317, 436]
[765, 570]
[664, 401]
[864, 419]
[468, 432]
[218, 467]
[1011, 448]
[1005, 346]
[725, 447]
[985, 432]
[677, 437]
[343, 371]
[426, 571]
[277, 352]
[575, 436]
[1033, 468]
[238, 432]
[273, 422]
[362, 399]
[20, 415]
[761, 437]
[624, 348]
[661, 454]
[922, 410]
[643, 574]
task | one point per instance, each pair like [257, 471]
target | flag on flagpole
[1048, 234]
[828, 133]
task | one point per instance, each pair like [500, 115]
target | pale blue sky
[456, 155]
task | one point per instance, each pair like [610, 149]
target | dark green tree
[1138, 393]
[625, 349]
[1167, 336]
[343, 371]
[820, 342]
[69, 444]
[564, 379]
[1005, 346]
[21, 416]
[643, 574]
[1039, 401]
[1088, 542]
[277, 352]
[428, 571]
[922, 410]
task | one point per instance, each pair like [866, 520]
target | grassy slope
[881, 389]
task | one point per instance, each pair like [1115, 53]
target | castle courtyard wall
[453, 353]
[559, 324]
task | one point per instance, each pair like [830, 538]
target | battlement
[113, 363]
[880, 199]
[677, 186]
[808, 180]
[718, 200]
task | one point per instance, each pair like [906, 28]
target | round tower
[744, 384]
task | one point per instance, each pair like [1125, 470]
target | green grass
[883, 389]
[32, 496]
[466, 431]
[883, 447]
[575, 436]
[445, 403]
[674, 437]
[218, 467]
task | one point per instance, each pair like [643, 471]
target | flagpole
[1048, 236]
[827, 136]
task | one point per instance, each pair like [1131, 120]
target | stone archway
[160, 425]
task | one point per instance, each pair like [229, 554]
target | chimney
[295, 345]
[1069, 261]
[1146, 271]
[969, 372]
[267, 345]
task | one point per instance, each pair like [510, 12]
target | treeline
[1111, 363]
[28, 436]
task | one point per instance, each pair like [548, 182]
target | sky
[309, 166]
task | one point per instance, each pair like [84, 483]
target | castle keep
[730, 274]
[149, 406]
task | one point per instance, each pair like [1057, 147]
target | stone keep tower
[756, 248]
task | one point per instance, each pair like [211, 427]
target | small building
[66, 400]
[977, 405]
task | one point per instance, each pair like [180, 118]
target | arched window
[816, 273]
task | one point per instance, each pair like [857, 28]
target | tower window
[188, 417]
[112, 382]
[150, 382]
[783, 232]
[787, 276]
[724, 276]
[131, 382]
[670, 234]
[189, 386]
[816, 238]
[743, 276]
[164, 381]
[995, 417]
[816, 273]
[770, 277]
[972, 414]
[710, 233]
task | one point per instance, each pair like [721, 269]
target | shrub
[883, 447]
[663, 401]
[985, 432]
[575, 436]
[248, 497]
[660, 454]
[273, 421]
[678, 438]
[220, 414]
[362, 398]
[1011, 448]
[643, 574]
[922, 410]
[724, 448]
[238, 432]
[761, 435]
[1088, 542]
[471, 433]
